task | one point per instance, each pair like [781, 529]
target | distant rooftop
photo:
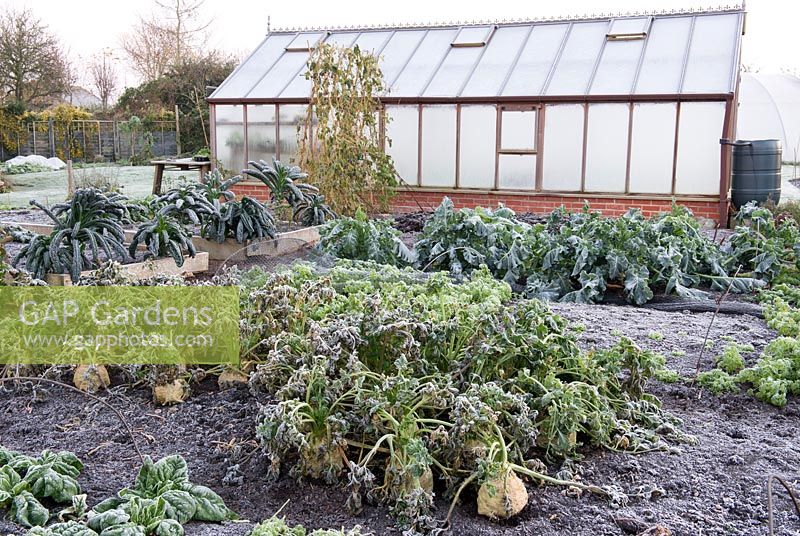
[656, 53]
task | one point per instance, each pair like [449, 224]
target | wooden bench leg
[158, 176]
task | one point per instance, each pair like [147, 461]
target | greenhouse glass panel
[663, 57]
[261, 113]
[530, 72]
[304, 41]
[617, 67]
[652, 148]
[711, 54]
[300, 86]
[254, 67]
[260, 142]
[478, 145]
[699, 131]
[292, 118]
[563, 147]
[285, 71]
[261, 132]
[402, 129]
[230, 146]
[607, 147]
[439, 145]
[517, 171]
[229, 113]
[496, 61]
[574, 68]
[453, 72]
[518, 130]
[424, 62]
[372, 42]
[397, 52]
[344, 39]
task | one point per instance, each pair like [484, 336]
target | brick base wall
[413, 200]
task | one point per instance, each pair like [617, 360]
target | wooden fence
[96, 141]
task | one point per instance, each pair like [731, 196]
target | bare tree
[149, 47]
[33, 65]
[182, 20]
[165, 38]
[104, 77]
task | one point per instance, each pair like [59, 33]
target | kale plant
[89, 223]
[361, 238]
[163, 236]
[248, 219]
[286, 189]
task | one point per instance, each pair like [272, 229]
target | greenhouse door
[516, 148]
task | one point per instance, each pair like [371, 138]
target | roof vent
[304, 42]
[473, 36]
[629, 29]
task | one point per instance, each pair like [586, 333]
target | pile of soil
[716, 487]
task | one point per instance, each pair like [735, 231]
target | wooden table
[181, 164]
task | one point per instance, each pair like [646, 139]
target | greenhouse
[620, 111]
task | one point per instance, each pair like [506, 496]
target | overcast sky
[772, 40]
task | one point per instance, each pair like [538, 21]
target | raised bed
[143, 270]
[230, 249]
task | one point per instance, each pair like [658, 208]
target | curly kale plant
[762, 244]
[163, 236]
[89, 223]
[361, 238]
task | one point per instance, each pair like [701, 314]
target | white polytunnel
[618, 106]
[769, 108]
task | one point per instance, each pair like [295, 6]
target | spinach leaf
[210, 506]
[27, 511]
[70, 528]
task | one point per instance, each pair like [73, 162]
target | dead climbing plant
[342, 139]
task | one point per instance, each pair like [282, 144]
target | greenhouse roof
[656, 54]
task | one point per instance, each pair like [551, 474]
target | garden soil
[716, 487]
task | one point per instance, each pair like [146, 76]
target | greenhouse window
[473, 36]
[629, 29]
[304, 42]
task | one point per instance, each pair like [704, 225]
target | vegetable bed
[715, 487]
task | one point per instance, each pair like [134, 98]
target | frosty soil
[715, 487]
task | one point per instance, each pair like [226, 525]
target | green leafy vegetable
[360, 238]
[163, 237]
